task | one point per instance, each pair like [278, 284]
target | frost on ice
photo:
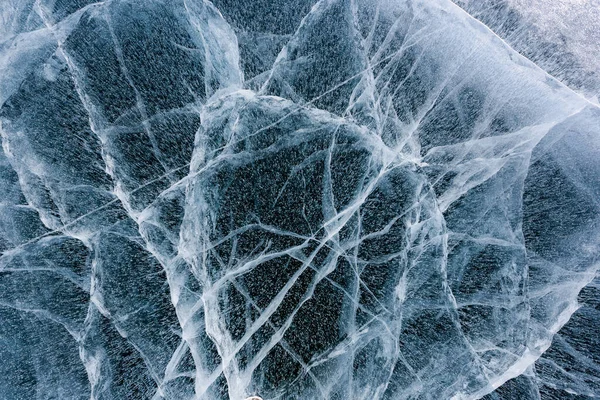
[366, 199]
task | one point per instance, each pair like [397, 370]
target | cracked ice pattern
[367, 199]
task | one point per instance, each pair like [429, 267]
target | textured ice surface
[562, 37]
[334, 199]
